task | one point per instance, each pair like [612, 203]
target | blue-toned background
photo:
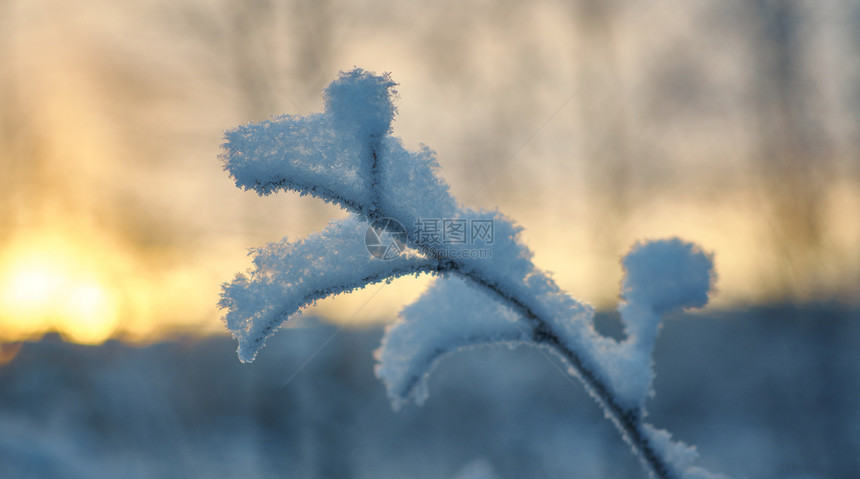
[768, 393]
[593, 124]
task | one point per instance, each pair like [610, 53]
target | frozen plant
[347, 156]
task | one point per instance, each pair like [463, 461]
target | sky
[592, 124]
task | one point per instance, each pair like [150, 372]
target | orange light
[50, 285]
[8, 352]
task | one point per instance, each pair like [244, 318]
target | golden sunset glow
[89, 291]
[54, 286]
[117, 220]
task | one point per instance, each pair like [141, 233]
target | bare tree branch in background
[312, 54]
[602, 110]
[794, 164]
[251, 43]
[19, 170]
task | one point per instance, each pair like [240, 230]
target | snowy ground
[766, 393]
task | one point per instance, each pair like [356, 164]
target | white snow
[450, 316]
[347, 156]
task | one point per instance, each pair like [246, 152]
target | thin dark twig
[628, 421]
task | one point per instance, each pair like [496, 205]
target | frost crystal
[347, 156]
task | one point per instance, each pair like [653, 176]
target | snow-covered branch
[288, 277]
[450, 316]
[488, 292]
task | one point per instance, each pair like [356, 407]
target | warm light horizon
[588, 129]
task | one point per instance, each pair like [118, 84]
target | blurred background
[593, 124]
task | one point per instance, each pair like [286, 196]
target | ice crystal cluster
[347, 156]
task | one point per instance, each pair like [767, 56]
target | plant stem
[628, 421]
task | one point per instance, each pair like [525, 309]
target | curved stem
[375, 176]
[628, 421]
